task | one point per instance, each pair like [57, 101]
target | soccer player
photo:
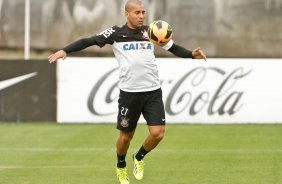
[139, 83]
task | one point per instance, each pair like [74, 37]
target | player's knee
[126, 137]
[159, 136]
[158, 133]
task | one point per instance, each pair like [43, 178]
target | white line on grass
[34, 149]
[47, 167]
[177, 150]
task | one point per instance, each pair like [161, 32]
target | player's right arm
[100, 40]
[73, 47]
[61, 54]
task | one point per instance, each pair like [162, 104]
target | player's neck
[132, 27]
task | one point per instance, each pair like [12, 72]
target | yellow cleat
[138, 170]
[122, 175]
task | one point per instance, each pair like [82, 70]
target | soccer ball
[159, 32]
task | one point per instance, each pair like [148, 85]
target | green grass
[48, 153]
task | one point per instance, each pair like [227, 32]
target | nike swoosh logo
[10, 82]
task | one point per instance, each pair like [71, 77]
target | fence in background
[224, 28]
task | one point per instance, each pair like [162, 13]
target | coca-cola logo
[209, 90]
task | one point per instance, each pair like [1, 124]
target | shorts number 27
[123, 111]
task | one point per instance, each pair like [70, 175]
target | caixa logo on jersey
[138, 46]
[208, 90]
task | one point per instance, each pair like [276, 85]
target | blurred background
[223, 28]
[228, 110]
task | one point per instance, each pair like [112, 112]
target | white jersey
[138, 71]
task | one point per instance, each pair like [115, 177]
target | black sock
[121, 161]
[141, 153]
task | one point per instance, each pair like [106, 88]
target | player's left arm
[185, 53]
[199, 54]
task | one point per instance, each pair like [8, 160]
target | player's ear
[126, 14]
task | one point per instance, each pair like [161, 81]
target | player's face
[135, 16]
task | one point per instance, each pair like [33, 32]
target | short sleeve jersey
[138, 71]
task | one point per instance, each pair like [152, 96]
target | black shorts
[132, 104]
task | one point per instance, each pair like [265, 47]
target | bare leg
[123, 142]
[153, 139]
[155, 136]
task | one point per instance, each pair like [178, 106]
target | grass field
[49, 153]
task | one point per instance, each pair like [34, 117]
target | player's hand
[58, 55]
[199, 54]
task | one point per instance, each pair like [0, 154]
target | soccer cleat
[122, 175]
[138, 170]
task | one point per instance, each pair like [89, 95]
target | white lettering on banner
[221, 101]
